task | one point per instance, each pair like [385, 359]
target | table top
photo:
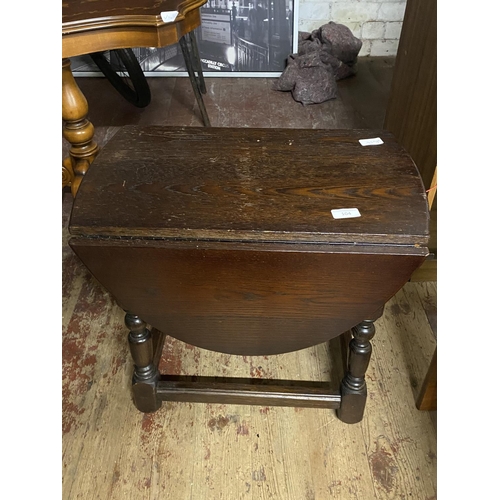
[86, 13]
[94, 25]
[253, 185]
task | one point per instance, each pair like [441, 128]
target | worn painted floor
[210, 451]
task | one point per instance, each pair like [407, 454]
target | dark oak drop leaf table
[225, 239]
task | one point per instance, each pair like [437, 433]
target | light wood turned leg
[146, 376]
[353, 387]
[78, 131]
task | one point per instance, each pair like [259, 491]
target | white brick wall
[376, 22]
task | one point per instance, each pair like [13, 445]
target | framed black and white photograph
[236, 38]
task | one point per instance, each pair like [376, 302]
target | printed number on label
[345, 213]
[375, 141]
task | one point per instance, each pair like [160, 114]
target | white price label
[345, 213]
[169, 16]
[374, 141]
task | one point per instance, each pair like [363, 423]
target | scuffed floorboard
[194, 451]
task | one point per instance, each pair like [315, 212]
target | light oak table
[97, 25]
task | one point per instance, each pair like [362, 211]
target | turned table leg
[146, 376]
[78, 131]
[353, 388]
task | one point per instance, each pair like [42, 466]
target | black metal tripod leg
[197, 62]
[189, 66]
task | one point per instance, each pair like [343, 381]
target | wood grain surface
[248, 184]
[412, 108]
[98, 25]
[244, 299]
[84, 12]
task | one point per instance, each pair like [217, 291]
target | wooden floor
[210, 451]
